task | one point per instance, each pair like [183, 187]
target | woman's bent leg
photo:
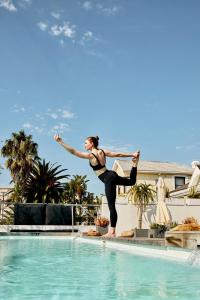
[128, 181]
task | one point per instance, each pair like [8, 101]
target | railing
[5, 195]
[88, 211]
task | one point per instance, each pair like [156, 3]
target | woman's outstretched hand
[57, 138]
[136, 154]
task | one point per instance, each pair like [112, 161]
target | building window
[118, 190]
[179, 181]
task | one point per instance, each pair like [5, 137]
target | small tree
[141, 195]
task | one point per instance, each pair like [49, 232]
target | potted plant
[157, 230]
[141, 195]
[102, 224]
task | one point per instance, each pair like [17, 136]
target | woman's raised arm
[70, 149]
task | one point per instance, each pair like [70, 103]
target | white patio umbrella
[194, 181]
[162, 214]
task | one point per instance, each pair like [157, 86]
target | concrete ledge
[126, 240]
[183, 239]
[169, 253]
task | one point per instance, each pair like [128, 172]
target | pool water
[49, 268]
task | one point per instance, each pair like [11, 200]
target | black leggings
[111, 180]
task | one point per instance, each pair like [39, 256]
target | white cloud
[24, 3]
[65, 114]
[187, 147]
[56, 30]
[55, 15]
[43, 26]
[38, 129]
[28, 2]
[53, 116]
[66, 30]
[51, 121]
[60, 128]
[18, 109]
[87, 5]
[108, 11]
[99, 7]
[60, 113]
[8, 4]
[33, 128]
[121, 148]
[88, 36]
[39, 117]
[27, 125]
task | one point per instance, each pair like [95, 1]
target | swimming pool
[61, 268]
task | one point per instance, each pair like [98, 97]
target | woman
[97, 160]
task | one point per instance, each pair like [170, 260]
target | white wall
[179, 209]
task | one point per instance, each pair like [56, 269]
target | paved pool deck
[129, 240]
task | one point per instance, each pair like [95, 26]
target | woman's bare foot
[111, 233]
[135, 159]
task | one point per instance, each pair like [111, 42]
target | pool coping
[168, 253]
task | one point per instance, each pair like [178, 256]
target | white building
[175, 176]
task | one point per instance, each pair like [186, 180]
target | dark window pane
[179, 181]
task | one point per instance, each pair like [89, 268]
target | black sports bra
[98, 166]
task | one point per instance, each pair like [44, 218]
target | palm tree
[76, 189]
[141, 195]
[21, 152]
[45, 183]
[16, 194]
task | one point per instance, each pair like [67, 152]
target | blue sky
[125, 70]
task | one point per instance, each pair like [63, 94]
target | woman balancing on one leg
[97, 160]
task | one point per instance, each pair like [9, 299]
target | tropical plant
[190, 220]
[76, 193]
[76, 189]
[102, 221]
[16, 194]
[160, 227]
[172, 225]
[45, 183]
[21, 152]
[141, 195]
[6, 214]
